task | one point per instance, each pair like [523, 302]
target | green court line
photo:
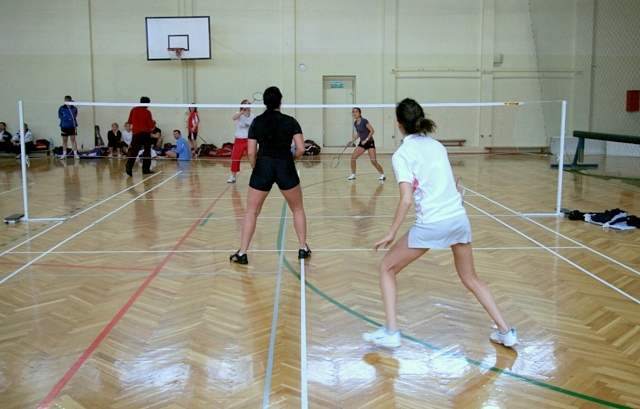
[443, 351]
[206, 219]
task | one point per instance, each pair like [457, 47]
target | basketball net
[175, 52]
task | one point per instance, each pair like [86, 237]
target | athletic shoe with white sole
[353, 176]
[508, 339]
[382, 177]
[383, 338]
[304, 253]
[231, 179]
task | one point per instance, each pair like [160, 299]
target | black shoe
[302, 253]
[128, 171]
[240, 259]
[148, 172]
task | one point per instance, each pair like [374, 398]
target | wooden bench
[517, 149]
[452, 142]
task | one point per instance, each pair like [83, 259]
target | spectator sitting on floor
[5, 143]
[156, 136]
[182, 151]
[29, 144]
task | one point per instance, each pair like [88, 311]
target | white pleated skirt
[441, 234]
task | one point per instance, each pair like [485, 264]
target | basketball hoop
[175, 52]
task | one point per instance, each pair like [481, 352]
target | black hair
[272, 98]
[411, 116]
[177, 130]
[145, 100]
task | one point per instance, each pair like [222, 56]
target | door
[337, 122]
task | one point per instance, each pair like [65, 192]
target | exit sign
[337, 84]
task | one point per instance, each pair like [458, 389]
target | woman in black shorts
[272, 162]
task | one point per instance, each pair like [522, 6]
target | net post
[563, 120]
[23, 160]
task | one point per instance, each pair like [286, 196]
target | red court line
[14, 263]
[96, 342]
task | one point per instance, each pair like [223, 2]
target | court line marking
[274, 319]
[17, 188]
[561, 257]
[60, 222]
[44, 404]
[326, 249]
[119, 193]
[459, 356]
[447, 352]
[31, 262]
[303, 339]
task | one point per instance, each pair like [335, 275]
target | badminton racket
[257, 96]
[460, 188]
[336, 159]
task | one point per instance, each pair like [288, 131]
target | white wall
[432, 50]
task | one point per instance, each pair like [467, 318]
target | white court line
[577, 243]
[113, 196]
[303, 339]
[554, 252]
[59, 223]
[28, 240]
[18, 188]
[328, 250]
[82, 231]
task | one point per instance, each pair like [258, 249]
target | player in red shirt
[142, 124]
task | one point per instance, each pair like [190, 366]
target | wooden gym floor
[131, 302]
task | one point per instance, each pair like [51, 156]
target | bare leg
[463, 257]
[354, 156]
[65, 141]
[294, 200]
[255, 200]
[74, 145]
[374, 160]
[398, 257]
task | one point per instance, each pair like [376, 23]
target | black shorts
[193, 136]
[369, 145]
[68, 131]
[269, 171]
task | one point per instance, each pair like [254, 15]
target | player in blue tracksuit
[68, 115]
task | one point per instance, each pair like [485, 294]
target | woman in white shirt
[243, 119]
[29, 144]
[424, 175]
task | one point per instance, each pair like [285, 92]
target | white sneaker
[64, 155]
[383, 338]
[509, 339]
[231, 179]
[353, 176]
[382, 177]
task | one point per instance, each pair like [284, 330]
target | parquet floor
[131, 302]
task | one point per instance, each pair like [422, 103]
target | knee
[387, 270]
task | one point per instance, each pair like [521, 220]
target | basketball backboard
[191, 33]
